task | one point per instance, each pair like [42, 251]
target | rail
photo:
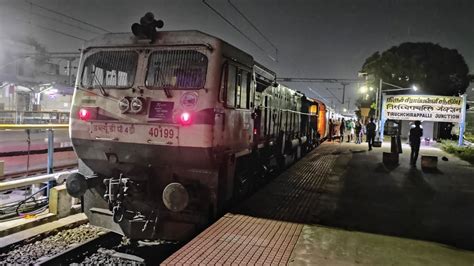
[79, 252]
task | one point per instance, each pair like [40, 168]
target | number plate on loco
[135, 133]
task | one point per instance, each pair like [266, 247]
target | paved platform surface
[340, 205]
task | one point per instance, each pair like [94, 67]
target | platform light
[363, 89]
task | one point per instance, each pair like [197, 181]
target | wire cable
[39, 204]
[237, 29]
[319, 95]
[253, 26]
[57, 31]
[46, 28]
[58, 20]
[67, 16]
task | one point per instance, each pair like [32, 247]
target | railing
[33, 117]
[33, 126]
[50, 132]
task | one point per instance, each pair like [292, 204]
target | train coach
[170, 133]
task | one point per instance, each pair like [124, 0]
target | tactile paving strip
[266, 227]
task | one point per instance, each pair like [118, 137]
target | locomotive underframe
[153, 167]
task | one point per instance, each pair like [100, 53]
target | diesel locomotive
[171, 132]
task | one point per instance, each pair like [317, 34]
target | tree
[434, 69]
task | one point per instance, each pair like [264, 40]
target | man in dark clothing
[371, 133]
[415, 139]
[342, 127]
[331, 129]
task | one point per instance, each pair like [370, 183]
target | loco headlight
[124, 105]
[137, 105]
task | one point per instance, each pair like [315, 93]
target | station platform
[340, 205]
[16, 165]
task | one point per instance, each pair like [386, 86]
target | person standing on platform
[415, 140]
[371, 127]
[331, 129]
[351, 127]
[348, 130]
[358, 129]
[342, 128]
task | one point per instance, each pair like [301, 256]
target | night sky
[324, 39]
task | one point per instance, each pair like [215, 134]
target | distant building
[32, 79]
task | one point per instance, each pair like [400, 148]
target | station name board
[423, 108]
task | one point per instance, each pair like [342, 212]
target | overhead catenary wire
[237, 29]
[334, 95]
[46, 28]
[59, 32]
[55, 20]
[66, 23]
[67, 16]
[254, 27]
[319, 95]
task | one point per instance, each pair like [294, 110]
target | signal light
[185, 119]
[84, 114]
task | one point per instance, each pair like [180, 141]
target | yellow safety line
[33, 126]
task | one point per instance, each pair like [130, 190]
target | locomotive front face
[142, 126]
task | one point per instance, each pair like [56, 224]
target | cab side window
[244, 89]
[231, 86]
[237, 87]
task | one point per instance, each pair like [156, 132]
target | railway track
[43, 247]
[87, 245]
[77, 253]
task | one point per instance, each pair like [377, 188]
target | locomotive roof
[181, 37]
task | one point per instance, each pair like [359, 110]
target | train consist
[169, 133]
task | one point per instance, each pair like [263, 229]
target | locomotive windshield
[110, 69]
[176, 69]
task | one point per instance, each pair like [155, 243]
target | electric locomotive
[170, 130]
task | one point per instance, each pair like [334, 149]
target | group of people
[355, 130]
[350, 130]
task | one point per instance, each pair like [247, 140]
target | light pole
[378, 102]
[378, 99]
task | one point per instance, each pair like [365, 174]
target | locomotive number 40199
[162, 132]
[132, 132]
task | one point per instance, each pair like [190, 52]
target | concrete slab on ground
[75, 219]
[319, 245]
[15, 225]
